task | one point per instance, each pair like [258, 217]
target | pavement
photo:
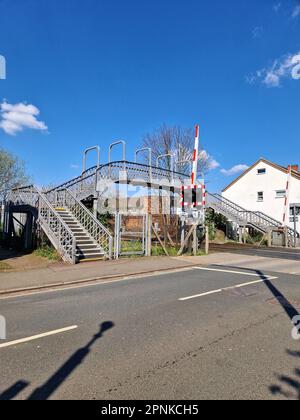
[62, 275]
[206, 332]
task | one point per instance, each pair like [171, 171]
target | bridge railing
[60, 235]
[88, 221]
[257, 219]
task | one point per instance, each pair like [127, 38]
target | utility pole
[206, 240]
[294, 207]
[287, 197]
[295, 226]
[286, 206]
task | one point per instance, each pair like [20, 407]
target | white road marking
[37, 337]
[237, 286]
[230, 271]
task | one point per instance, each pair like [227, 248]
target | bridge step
[87, 248]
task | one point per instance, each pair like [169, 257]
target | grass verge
[47, 252]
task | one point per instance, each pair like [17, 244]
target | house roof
[295, 174]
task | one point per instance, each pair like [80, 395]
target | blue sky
[99, 70]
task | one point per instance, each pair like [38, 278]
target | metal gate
[131, 234]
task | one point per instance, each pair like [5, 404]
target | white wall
[244, 191]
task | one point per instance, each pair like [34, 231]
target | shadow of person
[13, 391]
[53, 383]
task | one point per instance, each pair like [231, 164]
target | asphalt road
[172, 336]
[282, 253]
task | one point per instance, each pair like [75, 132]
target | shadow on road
[56, 380]
[292, 383]
[13, 391]
[289, 309]
[288, 387]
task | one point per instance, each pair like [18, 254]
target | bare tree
[12, 173]
[178, 142]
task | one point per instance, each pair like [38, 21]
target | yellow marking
[91, 259]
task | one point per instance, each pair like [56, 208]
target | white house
[262, 187]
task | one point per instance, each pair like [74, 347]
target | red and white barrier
[195, 156]
[195, 190]
[287, 197]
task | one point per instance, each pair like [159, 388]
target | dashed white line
[262, 279]
[219, 270]
[237, 286]
[37, 337]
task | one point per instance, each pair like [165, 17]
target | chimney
[294, 167]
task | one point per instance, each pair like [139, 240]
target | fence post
[206, 240]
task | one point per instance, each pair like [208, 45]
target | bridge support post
[148, 239]
[206, 240]
[95, 207]
[286, 237]
[195, 242]
[240, 234]
[148, 229]
[269, 237]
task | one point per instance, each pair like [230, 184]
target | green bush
[47, 252]
[157, 251]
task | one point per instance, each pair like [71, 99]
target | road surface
[199, 333]
[282, 253]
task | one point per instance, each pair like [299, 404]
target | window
[260, 196]
[280, 194]
[261, 171]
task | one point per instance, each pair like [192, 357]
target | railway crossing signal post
[193, 202]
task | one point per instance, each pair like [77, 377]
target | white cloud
[257, 32]
[211, 162]
[296, 11]
[19, 117]
[277, 7]
[272, 76]
[74, 166]
[234, 170]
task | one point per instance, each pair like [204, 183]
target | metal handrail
[56, 229]
[256, 218]
[85, 153]
[171, 156]
[139, 169]
[87, 174]
[93, 174]
[149, 150]
[89, 222]
[116, 143]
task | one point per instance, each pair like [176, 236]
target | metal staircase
[72, 229]
[255, 219]
[86, 247]
[49, 220]
[85, 226]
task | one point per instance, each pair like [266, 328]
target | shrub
[47, 252]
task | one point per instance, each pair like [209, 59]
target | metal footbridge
[78, 235]
[72, 229]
